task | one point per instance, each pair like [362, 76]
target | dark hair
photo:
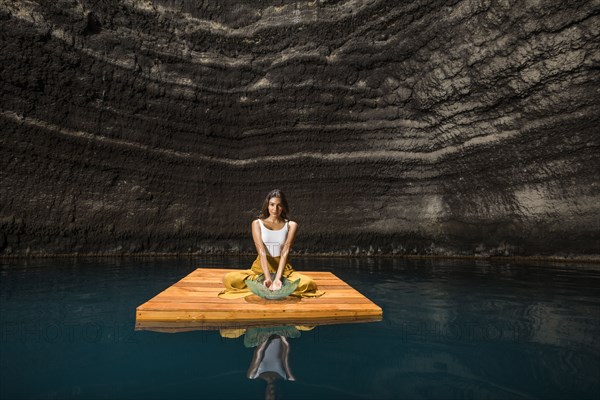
[264, 213]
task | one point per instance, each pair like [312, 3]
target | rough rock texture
[401, 127]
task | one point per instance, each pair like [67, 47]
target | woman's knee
[306, 282]
[234, 280]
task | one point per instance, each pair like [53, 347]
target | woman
[273, 236]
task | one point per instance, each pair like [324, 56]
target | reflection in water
[270, 361]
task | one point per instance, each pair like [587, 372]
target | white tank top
[273, 240]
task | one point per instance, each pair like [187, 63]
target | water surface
[451, 330]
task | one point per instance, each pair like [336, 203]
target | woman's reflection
[270, 361]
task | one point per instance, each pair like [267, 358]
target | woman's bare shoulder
[293, 224]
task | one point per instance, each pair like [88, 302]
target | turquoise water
[451, 330]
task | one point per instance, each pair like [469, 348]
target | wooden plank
[194, 298]
[220, 284]
[208, 291]
[279, 308]
[319, 300]
[213, 292]
[161, 315]
[282, 307]
[331, 284]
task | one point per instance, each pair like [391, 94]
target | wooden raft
[192, 303]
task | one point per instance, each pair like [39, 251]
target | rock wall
[413, 127]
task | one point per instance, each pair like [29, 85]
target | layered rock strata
[415, 127]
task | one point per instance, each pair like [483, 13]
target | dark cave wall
[419, 127]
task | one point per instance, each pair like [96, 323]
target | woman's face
[275, 207]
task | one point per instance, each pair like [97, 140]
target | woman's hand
[268, 283]
[276, 285]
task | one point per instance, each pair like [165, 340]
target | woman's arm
[285, 249]
[262, 251]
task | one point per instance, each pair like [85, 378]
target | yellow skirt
[235, 285]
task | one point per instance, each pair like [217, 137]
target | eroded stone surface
[429, 127]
